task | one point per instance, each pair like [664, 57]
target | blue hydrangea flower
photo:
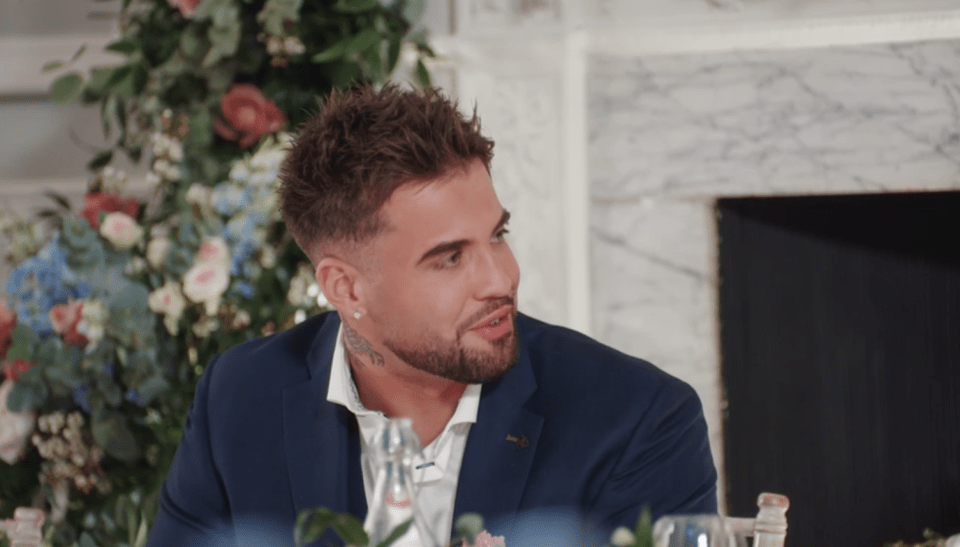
[246, 289]
[42, 282]
[227, 198]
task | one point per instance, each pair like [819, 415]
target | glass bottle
[394, 499]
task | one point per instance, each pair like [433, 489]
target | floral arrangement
[113, 313]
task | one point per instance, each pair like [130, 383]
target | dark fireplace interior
[840, 337]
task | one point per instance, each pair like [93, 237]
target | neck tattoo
[359, 347]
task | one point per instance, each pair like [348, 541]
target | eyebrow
[456, 245]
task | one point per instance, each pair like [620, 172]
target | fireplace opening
[840, 343]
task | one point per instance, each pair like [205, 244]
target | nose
[497, 274]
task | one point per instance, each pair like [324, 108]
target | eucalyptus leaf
[332, 53]
[110, 431]
[60, 199]
[393, 53]
[29, 392]
[66, 88]
[362, 41]
[78, 53]
[53, 65]
[311, 524]
[86, 540]
[468, 525]
[356, 6]
[423, 75]
[100, 160]
[350, 529]
[125, 46]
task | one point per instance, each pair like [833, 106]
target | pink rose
[121, 230]
[484, 539]
[8, 321]
[14, 369]
[214, 249]
[94, 202]
[248, 115]
[65, 319]
[186, 7]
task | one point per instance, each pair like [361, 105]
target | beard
[454, 361]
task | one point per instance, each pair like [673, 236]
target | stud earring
[357, 314]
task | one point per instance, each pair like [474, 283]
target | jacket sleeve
[666, 464]
[193, 509]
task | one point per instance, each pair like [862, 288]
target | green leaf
[644, 530]
[86, 540]
[468, 525]
[362, 41]
[125, 46]
[344, 74]
[29, 392]
[396, 533]
[350, 529]
[110, 431]
[311, 524]
[66, 88]
[53, 65]
[423, 75]
[78, 53]
[59, 199]
[356, 6]
[100, 79]
[393, 54]
[101, 160]
[374, 63]
[191, 44]
[106, 107]
[25, 336]
[334, 52]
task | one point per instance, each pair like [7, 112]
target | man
[389, 194]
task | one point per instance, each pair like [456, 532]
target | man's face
[444, 281]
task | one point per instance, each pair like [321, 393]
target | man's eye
[501, 235]
[451, 260]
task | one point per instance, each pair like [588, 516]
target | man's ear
[341, 284]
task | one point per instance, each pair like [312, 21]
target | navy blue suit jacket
[607, 434]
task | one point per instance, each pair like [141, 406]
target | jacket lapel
[501, 446]
[320, 438]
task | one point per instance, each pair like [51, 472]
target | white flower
[239, 172]
[213, 249]
[268, 256]
[268, 160]
[93, 321]
[169, 302]
[121, 230]
[160, 166]
[205, 283]
[135, 266]
[157, 252]
[153, 179]
[206, 327]
[274, 45]
[15, 427]
[293, 45]
[175, 151]
[198, 194]
[299, 285]
[622, 537]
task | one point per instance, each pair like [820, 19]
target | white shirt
[435, 472]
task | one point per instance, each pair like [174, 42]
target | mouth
[496, 324]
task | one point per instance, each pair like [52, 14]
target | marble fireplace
[612, 156]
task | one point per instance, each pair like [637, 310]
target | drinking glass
[694, 531]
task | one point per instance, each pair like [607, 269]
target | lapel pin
[521, 441]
